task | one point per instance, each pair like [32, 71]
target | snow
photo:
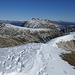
[37, 22]
[53, 63]
[18, 58]
[10, 26]
[36, 59]
[65, 38]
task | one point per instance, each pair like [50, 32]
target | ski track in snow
[36, 59]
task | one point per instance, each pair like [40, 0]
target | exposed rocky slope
[68, 45]
[11, 35]
[40, 23]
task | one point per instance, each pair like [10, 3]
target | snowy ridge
[24, 28]
[36, 59]
[65, 38]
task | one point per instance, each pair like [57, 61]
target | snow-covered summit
[40, 23]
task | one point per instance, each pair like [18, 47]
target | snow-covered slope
[36, 59]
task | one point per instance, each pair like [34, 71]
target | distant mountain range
[21, 23]
[65, 23]
[17, 23]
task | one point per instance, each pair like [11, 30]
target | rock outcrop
[69, 45]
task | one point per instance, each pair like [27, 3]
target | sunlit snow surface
[36, 59]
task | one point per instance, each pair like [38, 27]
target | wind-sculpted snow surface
[36, 59]
[17, 58]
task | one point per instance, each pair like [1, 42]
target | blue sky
[45, 9]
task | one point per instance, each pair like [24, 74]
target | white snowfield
[36, 59]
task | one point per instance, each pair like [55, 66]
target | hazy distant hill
[21, 23]
[65, 23]
[17, 23]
